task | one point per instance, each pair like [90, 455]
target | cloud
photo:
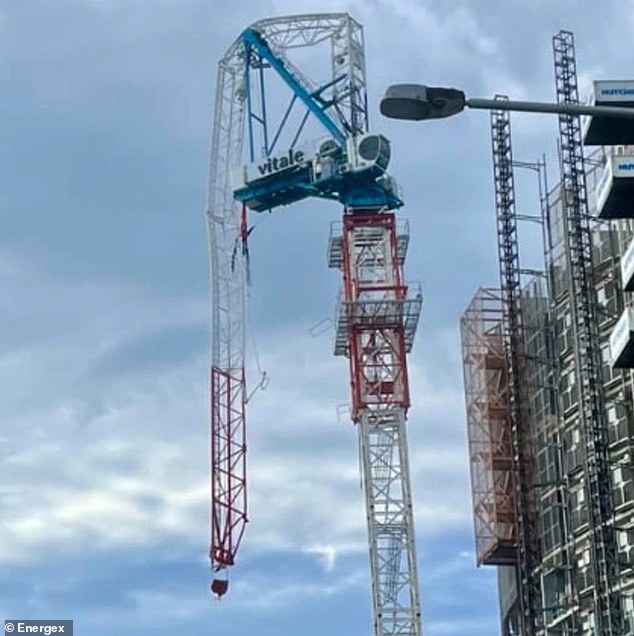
[254, 597]
[326, 553]
[103, 294]
[128, 463]
[463, 626]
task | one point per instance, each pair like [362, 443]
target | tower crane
[320, 146]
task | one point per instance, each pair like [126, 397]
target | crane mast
[280, 164]
[376, 323]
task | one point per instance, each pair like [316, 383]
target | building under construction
[548, 358]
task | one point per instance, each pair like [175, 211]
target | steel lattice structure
[528, 556]
[234, 105]
[378, 315]
[228, 390]
[609, 619]
[376, 323]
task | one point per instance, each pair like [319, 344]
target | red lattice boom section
[228, 466]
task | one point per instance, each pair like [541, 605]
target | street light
[417, 101]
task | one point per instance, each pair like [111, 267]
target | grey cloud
[152, 351]
[103, 166]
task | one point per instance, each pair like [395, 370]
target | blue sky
[105, 118]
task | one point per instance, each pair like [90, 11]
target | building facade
[562, 475]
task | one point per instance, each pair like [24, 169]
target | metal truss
[241, 107]
[607, 606]
[228, 391]
[522, 435]
[338, 100]
[374, 313]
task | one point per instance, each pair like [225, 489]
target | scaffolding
[575, 408]
[568, 568]
[489, 429]
[607, 608]
[515, 350]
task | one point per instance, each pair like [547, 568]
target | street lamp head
[416, 101]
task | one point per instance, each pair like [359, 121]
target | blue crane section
[345, 165]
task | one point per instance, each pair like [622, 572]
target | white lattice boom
[224, 215]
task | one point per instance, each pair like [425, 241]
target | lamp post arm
[545, 107]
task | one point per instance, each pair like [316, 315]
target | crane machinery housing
[283, 160]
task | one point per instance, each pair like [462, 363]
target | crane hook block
[219, 587]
